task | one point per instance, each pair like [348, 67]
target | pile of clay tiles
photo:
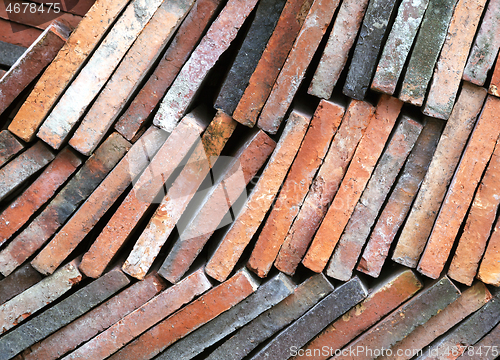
[254, 179]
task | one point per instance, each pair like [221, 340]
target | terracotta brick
[41, 18]
[450, 66]
[260, 200]
[188, 35]
[480, 349]
[357, 230]
[19, 308]
[278, 47]
[399, 203]
[38, 193]
[325, 185]
[143, 318]
[382, 300]
[323, 127]
[17, 282]
[189, 318]
[23, 166]
[96, 320]
[178, 196]
[470, 331]
[482, 214]
[139, 199]
[337, 49]
[366, 53]
[398, 45]
[2, 73]
[266, 16]
[80, 8]
[401, 322]
[315, 320]
[485, 48]
[357, 176]
[291, 75]
[67, 63]
[102, 198]
[215, 42]
[97, 71]
[463, 185]
[61, 314]
[32, 63]
[489, 271]
[18, 34]
[63, 204]
[305, 296]
[494, 88]
[469, 302]
[424, 211]
[267, 295]
[430, 40]
[129, 74]
[9, 146]
[208, 218]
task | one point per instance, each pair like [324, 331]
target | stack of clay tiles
[251, 179]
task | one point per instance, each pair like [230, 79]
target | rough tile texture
[38, 193]
[178, 51]
[467, 333]
[9, 146]
[138, 321]
[424, 211]
[139, 199]
[182, 191]
[62, 314]
[266, 296]
[366, 52]
[189, 318]
[32, 63]
[95, 321]
[494, 88]
[463, 185]
[19, 169]
[469, 302]
[358, 228]
[482, 214]
[97, 204]
[489, 271]
[279, 45]
[325, 185]
[485, 348]
[129, 74]
[97, 70]
[364, 160]
[17, 309]
[63, 204]
[267, 14]
[9, 53]
[293, 71]
[402, 321]
[311, 323]
[316, 143]
[399, 203]
[450, 66]
[215, 42]
[382, 300]
[430, 39]
[486, 45]
[305, 296]
[260, 200]
[398, 45]
[67, 63]
[336, 53]
[20, 280]
[210, 216]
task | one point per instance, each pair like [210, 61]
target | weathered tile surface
[9, 146]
